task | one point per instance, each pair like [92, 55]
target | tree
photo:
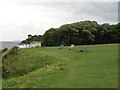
[29, 36]
[83, 32]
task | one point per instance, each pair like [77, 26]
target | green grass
[96, 68]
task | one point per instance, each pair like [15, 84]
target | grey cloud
[106, 10]
[59, 13]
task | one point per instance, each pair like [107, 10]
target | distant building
[21, 45]
[31, 45]
[36, 44]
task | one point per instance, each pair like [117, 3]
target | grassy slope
[96, 68]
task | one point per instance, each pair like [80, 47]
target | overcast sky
[18, 18]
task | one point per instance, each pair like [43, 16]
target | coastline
[8, 44]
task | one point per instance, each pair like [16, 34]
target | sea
[8, 44]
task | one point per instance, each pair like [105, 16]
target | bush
[9, 51]
[5, 49]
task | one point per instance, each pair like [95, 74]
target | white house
[27, 45]
[21, 46]
[31, 45]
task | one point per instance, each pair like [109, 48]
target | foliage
[32, 38]
[24, 62]
[83, 32]
[10, 52]
[5, 49]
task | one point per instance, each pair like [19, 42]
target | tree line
[79, 33]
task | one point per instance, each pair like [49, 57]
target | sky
[18, 18]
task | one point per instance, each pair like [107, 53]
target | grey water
[8, 44]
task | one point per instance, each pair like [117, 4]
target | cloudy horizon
[22, 17]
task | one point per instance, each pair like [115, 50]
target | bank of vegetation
[83, 32]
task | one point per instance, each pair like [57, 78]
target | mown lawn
[63, 68]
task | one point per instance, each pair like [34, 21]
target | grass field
[51, 67]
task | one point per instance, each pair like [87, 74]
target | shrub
[9, 51]
[5, 49]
